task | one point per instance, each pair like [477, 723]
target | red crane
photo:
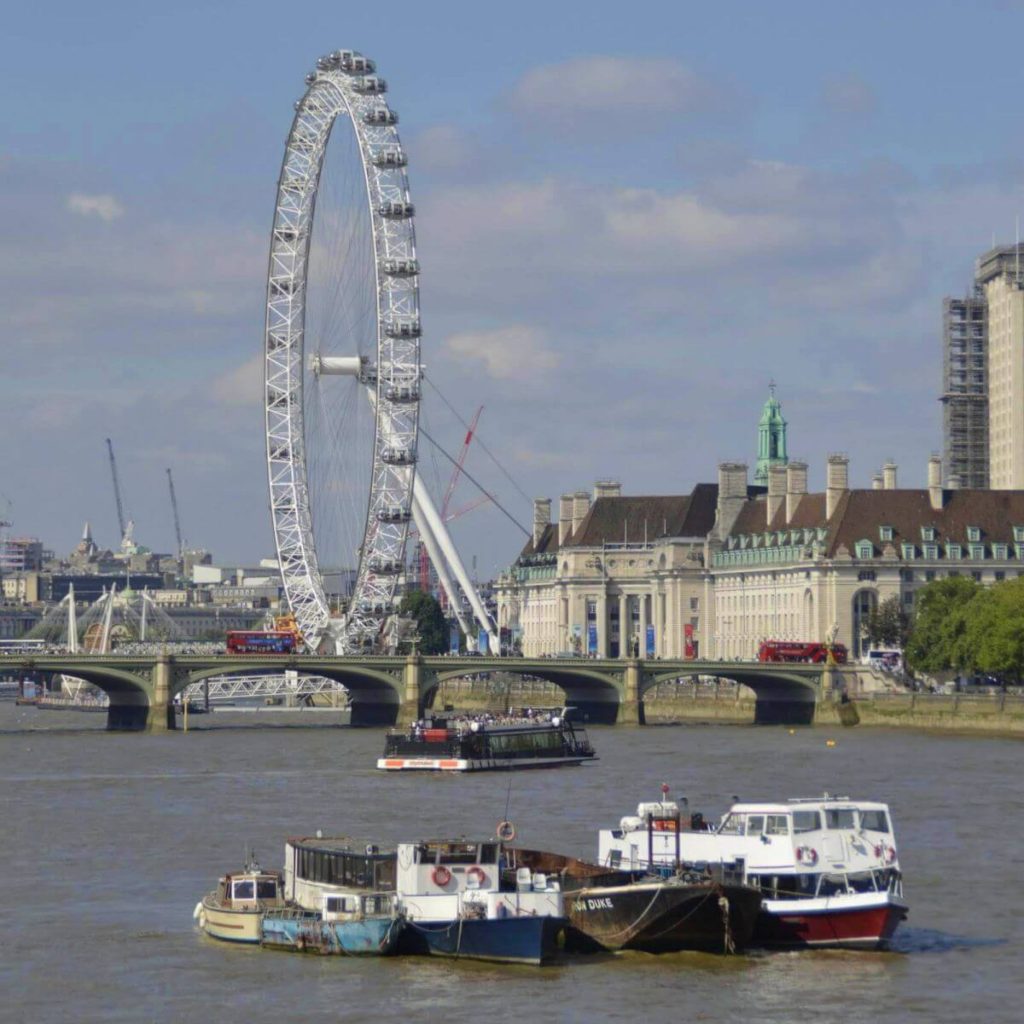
[456, 473]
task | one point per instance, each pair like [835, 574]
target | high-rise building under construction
[965, 390]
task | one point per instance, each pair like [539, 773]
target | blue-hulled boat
[455, 905]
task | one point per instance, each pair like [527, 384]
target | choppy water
[108, 841]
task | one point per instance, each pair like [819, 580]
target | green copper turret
[771, 438]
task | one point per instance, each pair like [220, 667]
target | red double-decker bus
[794, 650]
[251, 641]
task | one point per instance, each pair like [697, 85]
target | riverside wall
[724, 703]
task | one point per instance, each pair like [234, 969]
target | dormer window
[1018, 534]
[978, 552]
[1000, 551]
[885, 532]
[954, 552]
[909, 552]
[974, 533]
[927, 533]
[864, 549]
[931, 551]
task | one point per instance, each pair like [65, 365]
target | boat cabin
[444, 880]
[250, 890]
[794, 849]
[318, 869]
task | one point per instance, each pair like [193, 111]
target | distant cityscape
[711, 573]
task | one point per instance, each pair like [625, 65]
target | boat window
[489, 853]
[732, 825]
[839, 817]
[244, 890]
[832, 885]
[874, 821]
[456, 853]
[862, 881]
[340, 904]
[266, 889]
[376, 904]
[776, 825]
[806, 821]
[755, 824]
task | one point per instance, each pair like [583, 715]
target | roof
[634, 518]
[860, 513]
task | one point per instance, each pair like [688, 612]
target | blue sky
[630, 218]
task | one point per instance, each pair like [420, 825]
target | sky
[630, 218]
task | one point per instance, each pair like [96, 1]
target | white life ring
[807, 855]
[505, 831]
[477, 874]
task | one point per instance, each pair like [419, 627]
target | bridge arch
[595, 695]
[375, 694]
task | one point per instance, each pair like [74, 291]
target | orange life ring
[441, 875]
[807, 855]
[505, 831]
[477, 874]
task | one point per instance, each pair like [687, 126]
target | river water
[108, 841]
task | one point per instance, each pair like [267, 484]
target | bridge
[385, 690]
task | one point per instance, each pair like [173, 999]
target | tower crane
[177, 521]
[126, 526]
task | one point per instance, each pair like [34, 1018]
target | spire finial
[771, 387]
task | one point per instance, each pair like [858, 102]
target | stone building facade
[713, 573]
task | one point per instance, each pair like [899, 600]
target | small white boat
[233, 911]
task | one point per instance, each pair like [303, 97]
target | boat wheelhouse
[484, 744]
[827, 868]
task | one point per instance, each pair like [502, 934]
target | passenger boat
[456, 905]
[340, 899]
[827, 868]
[233, 911]
[705, 908]
[484, 744]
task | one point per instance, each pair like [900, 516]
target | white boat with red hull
[827, 868]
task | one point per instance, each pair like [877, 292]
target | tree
[430, 621]
[995, 630]
[938, 638]
[888, 625]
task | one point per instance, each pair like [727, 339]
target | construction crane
[456, 473]
[126, 526]
[177, 521]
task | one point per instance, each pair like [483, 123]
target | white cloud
[603, 87]
[105, 207]
[516, 351]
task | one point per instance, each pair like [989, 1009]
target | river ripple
[110, 839]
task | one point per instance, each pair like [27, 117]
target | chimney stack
[607, 489]
[837, 479]
[953, 483]
[889, 476]
[796, 487]
[935, 482]
[776, 491]
[564, 518]
[732, 493]
[541, 518]
[580, 507]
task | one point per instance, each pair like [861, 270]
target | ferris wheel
[342, 366]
